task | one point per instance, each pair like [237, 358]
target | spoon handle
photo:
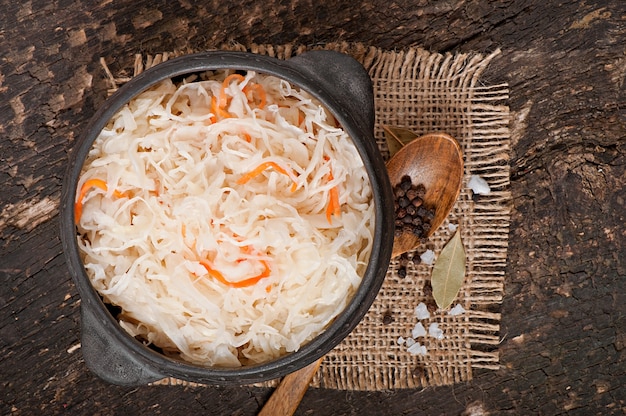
[287, 396]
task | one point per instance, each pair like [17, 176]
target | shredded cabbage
[176, 217]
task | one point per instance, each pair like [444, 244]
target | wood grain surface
[563, 328]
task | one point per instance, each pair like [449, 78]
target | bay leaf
[397, 138]
[449, 272]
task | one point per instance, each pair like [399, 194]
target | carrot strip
[225, 84]
[329, 211]
[214, 110]
[334, 199]
[91, 183]
[260, 91]
[242, 283]
[333, 207]
[218, 108]
[218, 111]
[263, 166]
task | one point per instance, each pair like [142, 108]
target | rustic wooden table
[563, 330]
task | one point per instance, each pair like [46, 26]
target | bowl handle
[107, 358]
[344, 78]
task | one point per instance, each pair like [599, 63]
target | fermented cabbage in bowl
[227, 215]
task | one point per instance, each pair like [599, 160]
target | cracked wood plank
[563, 334]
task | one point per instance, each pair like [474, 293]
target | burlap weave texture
[425, 92]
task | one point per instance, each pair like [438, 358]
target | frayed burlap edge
[424, 92]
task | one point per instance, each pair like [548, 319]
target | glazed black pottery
[344, 87]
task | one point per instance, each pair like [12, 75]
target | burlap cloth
[424, 92]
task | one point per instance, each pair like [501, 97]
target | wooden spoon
[434, 160]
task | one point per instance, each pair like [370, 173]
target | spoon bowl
[435, 161]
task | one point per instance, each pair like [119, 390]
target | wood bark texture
[563, 323]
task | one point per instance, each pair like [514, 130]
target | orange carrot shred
[333, 207]
[218, 111]
[242, 283]
[260, 91]
[214, 109]
[91, 183]
[225, 84]
[334, 198]
[263, 166]
[329, 212]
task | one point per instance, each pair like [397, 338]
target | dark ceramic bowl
[344, 87]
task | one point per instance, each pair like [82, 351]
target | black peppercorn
[401, 272]
[404, 260]
[406, 183]
[421, 190]
[411, 194]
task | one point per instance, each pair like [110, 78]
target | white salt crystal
[457, 310]
[409, 342]
[418, 330]
[428, 257]
[421, 311]
[434, 331]
[417, 349]
[478, 185]
[400, 340]
[452, 227]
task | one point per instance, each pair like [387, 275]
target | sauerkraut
[227, 216]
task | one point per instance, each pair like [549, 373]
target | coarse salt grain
[478, 185]
[428, 256]
[418, 330]
[452, 227]
[434, 331]
[400, 340]
[417, 349]
[421, 311]
[409, 342]
[457, 310]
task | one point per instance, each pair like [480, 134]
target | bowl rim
[372, 278]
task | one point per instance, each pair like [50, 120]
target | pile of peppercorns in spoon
[411, 214]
